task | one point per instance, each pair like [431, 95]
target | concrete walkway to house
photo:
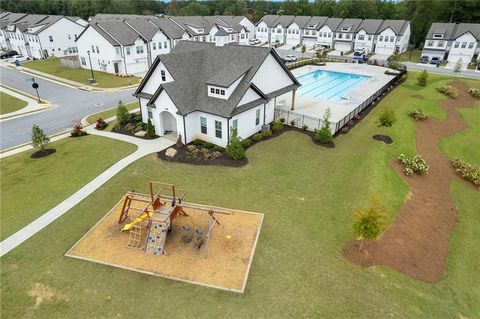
[32, 106]
[145, 147]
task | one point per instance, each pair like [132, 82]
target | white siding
[192, 121]
[63, 33]
[246, 125]
[384, 43]
[263, 78]
[465, 53]
[155, 79]
[249, 96]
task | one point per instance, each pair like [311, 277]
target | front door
[115, 66]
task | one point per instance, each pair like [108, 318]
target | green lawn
[307, 194]
[30, 187]
[110, 112]
[9, 103]
[105, 80]
[405, 56]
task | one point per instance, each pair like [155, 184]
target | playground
[160, 234]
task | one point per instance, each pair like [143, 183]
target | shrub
[418, 114]
[414, 164]
[122, 113]
[474, 92]
[39, 139]
[422, 78]
[324, 134]
[257, 137]
[198, 142]
[282, 120]
[208, 145]
[100, 124]
[246, 143]
[217, 148]
[77, 130]
[276, 126]
[305, 127]
[386, 118]
[467, 171]
[267, 133]
[292, 122]
[448, 90]
[370, 222]
[150, 130]
[235, 148]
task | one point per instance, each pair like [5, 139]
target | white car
[20, 58]
[290, 58]
[255, 41]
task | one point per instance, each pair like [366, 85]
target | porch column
[293, 99]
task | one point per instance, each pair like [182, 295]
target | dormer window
[217, 92]
[346, 29]
[437, 36]
[312, 26]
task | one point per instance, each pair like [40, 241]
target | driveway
[70, 105]
[298, 52]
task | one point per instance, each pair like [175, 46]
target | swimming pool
[329, 85]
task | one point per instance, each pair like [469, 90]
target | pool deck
[316, 107]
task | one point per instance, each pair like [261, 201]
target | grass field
[31, 187]
[405, 56]
[9, 103]
[110, 112]
[104, 80]
[307, 194]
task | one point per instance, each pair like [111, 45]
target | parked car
[435, 60]
[359, 52]
[8, 54]
[290, 58]
[255, 41]
[424, 59]
[20, 58]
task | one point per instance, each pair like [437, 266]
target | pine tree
[324, 134]
[150, 130]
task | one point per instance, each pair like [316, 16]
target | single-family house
[365, 37]
[204, 91]
[345, 34]
[392, 37]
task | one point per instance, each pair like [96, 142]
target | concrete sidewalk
[32, 106]
[145, 147]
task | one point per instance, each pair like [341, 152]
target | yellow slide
[142, 217]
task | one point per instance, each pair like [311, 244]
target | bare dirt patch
[42, 293]
[417, 243]
[226, 266]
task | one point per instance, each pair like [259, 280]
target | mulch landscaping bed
[130, 133]
[383, 138]
[417, 242]
[183, 156]
[40, 154]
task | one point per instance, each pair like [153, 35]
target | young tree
[122, 113]
[324, 134]
[304, 48]
[458, 66]
[422, 78]
[39, 139]
[386, 118]
[235, 147]
[371, 222]
[150, 130]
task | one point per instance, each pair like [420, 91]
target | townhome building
[41, 36]
[392, 36]
[7, 18]
[345, 34]
[295, 30]
[453, 42]
[365, 37]
[311, 32]
[326, 30]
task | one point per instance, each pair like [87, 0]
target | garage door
[343, 46]
[384, 50]
[292, 41]
[137, 67]
[309, 42]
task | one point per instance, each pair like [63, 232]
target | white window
[203, 125]
[217, 91]
[430, 43]
[340, 35]
[369, 38]
[464, 45]
[218, 129]
[154, 45]
[93, 49]
[139, 49]
[212, 90]
[69, 37]
[381, 38]
[347, 36]
[329, 34]
[386, 38]
[257, 117]
[235, 125]
[162, 74]
[361, 37]
[222, 92]
[150, 115]
[392, 38]
[127, 49]
[470, 45]
[440, 44]
[50, 38]
[82, 59]
[437, 35]
[117, 50]
[159, 45]
[98, 51]
[165, 44]
[456, 44]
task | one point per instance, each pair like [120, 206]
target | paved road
[440, 70]
[71, 105]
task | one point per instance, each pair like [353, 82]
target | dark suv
[424, 59]
[8, 54]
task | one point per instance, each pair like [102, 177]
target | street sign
[35, 85]
[29, 80]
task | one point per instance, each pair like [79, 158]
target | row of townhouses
[40, 36]
[373, 35]
[453, 42]
[128, 44]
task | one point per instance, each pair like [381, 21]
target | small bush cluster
[202, 153]
[418, 114]
[78, 131]
[474, 92]
[467, 171]
[422, 78]
[122, 113]
[414, 164]
[150, 130]
[386, 118]
[370, 222]
[324, 134]
[235, 149]
[448, 90]
[100, 124]
[276, 126]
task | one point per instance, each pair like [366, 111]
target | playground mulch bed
[226, 267]
[40, 154]
[383, 138]
[417, 242]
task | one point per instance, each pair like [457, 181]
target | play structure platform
[160, 234]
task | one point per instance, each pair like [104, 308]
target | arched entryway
[168, 124]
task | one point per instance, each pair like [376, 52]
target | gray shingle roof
[333, 23]
[398, 26]
[221, 32]
[473, 28]
[143, 27]
[370, 26]
[115, 32]
[349, 23]
[194, 64]
[170, 28]
[193, 21]
[318, 21]
[269, 19]
[301, 21]
[284, 21]
[50, 20]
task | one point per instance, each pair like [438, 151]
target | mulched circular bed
[383, 138]
[40, 154]
[129, 133]
[182, 156]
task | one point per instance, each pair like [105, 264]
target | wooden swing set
[150, 217]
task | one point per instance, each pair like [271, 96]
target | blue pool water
[329, 85]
